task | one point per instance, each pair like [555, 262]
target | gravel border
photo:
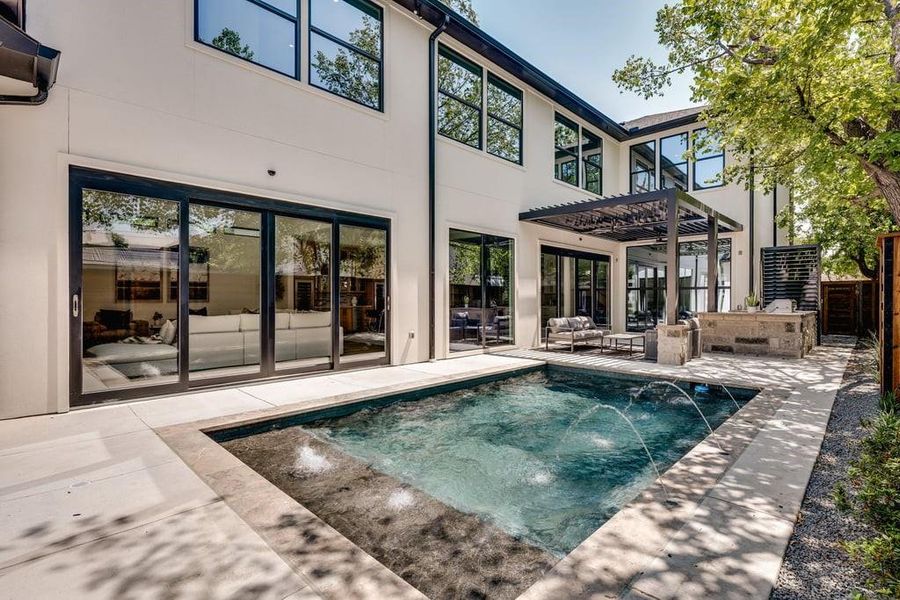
[815, 567]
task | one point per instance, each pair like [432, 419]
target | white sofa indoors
[225, 341]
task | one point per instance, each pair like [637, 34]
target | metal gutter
[432, 175]
[23, 58]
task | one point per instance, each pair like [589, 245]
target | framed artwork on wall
[198, 277]
[138, 276]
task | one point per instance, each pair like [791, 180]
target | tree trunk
[888, 184]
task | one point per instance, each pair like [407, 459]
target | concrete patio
[95, 504]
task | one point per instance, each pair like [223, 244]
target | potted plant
[752, 302]
[465, 302]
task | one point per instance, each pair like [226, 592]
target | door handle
[75, 307]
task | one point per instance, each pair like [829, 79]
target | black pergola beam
[631, 217]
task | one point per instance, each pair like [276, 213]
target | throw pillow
[167, 332]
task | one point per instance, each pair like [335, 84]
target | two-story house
[222, 190]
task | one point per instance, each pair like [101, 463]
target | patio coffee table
[629, 337]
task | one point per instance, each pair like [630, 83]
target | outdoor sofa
[574, 330]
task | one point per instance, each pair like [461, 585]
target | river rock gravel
[815, 566]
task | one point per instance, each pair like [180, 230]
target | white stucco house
[214, 191]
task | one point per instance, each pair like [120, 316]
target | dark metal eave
[631, 217]
[23, 58]
[468, 34]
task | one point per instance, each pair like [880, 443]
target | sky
[579, 43]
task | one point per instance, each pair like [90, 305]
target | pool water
[534, 454]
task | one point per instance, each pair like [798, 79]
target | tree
[845, 228]
[802, 89]
[230, 41]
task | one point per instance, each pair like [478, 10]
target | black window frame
[632, 172]
[719, 156]
[298, 34]
[584, 161]
[516, 93]
[475, 69]
[314, 30]
[683, 162]
[559, 118]
[595, 258]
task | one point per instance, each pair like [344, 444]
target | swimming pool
[543, 458]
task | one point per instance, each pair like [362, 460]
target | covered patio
[661, 215]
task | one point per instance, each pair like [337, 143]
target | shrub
[875, 500]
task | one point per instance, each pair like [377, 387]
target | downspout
[751, 233]
[432, 183]
[775, 215]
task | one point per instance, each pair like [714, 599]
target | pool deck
[96, 503]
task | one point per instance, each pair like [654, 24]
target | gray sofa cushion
[557, 325]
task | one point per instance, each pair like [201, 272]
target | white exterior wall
[136, 95]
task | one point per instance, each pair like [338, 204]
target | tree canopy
[808, 91]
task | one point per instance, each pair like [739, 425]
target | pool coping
[626, 557]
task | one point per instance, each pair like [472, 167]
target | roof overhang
[23, 58]
[633, 217]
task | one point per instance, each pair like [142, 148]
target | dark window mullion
[348, 46]
[461, 100]
[504, 121]
[277, 11]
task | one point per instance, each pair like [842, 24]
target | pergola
[657, 215]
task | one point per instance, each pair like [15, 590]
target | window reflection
[362, 293]
[673, 162]
[345, 49]
[643, 167]
[459, 98]
[129, 323]
[255, 31]
[223, 326]
[646, 282]
[302, 292]
[566, 142]
[481, 290]
[504, 128]
[709, 160]
[592, 159]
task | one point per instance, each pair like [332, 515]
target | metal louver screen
[791, 272]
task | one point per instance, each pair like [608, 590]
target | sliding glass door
[224, 291]
[174, 287]
[481, 290]
[363, 293]
[129, 253]
[573, 284]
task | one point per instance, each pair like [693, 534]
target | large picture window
[709, 160]
[673, 163]
[646, 282]
[345, 49]
[459, 98]
[504, 126]
[265, 33]
[481, 290]
[643, 167]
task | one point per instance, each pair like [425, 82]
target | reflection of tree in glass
[465, 263]
[302, 248]
[230, 41]
[456, 119]
[363, 252]
[351, 74]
